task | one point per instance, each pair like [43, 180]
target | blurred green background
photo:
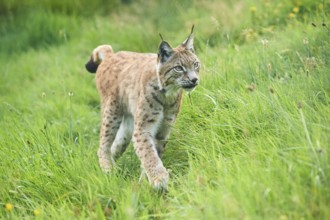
[36, 24]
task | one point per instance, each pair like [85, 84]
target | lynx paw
[106, 163]
[160, 182]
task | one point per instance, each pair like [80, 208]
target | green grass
[252, 142]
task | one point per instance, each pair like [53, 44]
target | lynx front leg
[110, 125]
[164, 133]
[145, 129]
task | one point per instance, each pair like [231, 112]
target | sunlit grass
[251, 142]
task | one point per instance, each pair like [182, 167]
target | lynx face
[179, 67]
[182, 70]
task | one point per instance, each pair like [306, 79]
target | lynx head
[178, 67]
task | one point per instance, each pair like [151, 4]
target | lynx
[140, 99]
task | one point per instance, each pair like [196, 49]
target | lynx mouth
[189, 87]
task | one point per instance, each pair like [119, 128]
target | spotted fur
[140, 100]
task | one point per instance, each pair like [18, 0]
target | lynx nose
[194, 80]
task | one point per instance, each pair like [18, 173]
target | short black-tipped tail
[98, 55]
[91, 66]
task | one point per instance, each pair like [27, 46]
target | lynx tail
[99, 54]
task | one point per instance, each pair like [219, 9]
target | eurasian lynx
[140, 99]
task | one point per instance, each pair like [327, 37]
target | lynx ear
[189, 42]
[164, 51]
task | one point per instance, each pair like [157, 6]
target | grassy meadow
[251, 142]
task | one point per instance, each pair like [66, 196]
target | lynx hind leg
[111, 121]
[123, 137]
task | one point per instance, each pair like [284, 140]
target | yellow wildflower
[253, 9]
[283, 217]
[36, 212]
[295, 10]
[9, 207]
[321, 6]
[291, 15]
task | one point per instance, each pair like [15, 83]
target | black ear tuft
[189, 42]
[91, 66]
[164, 52]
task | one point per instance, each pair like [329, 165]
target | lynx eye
[196, 65]
[179, 69]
